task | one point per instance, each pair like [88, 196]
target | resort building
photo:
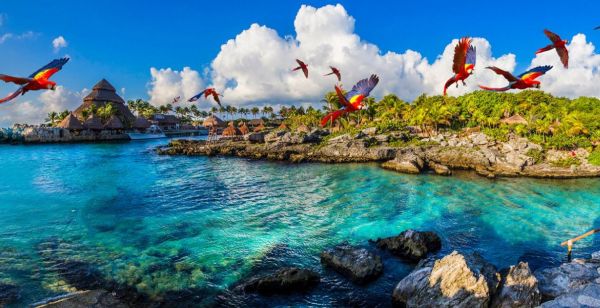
[103, 93]
[166, 122]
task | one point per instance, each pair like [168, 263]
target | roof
[213, 121]
[231, 130]
[113, 123]
[244, 128]
[141, 122]
[102, 93]
[259, 128]
[256, 122]
[93, 122]
[515, 119]
[70, 122]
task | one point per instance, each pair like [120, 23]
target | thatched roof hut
[256, 122]
[243, 128]
[213, 121]
[102, 93]
[282, 126]
[71, 122]
[231, 130]
[141, 123]
[259, 128]
[515, 119]
[303, 129]
[93, 122]
[113, 123]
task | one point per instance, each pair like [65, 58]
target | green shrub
[567, 162]
[594, 158]
[498, 134]
[537, 155]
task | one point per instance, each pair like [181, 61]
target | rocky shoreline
[401, 151]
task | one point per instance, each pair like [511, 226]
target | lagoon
[165, 224]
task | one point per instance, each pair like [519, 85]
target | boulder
[285, 280]
[405, 163]
[369, 131]
[586, 296]
[478, 138]
[519, 288]
[439, 169]
[596, 256]
[382, 138]
[258, 137]
[345, 138]
[9, 293]
[554, 282]
[411, 245]
[456, 280]
[83, 299]
[358, 264]
[274, 136]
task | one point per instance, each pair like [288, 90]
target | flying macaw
[176, 100]
[206, 92]
[352, 101]
[336, 72]
[464, 62]
[558, 44]
[303, 66]
[36, 81]
[523, 81]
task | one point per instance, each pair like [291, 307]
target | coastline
[441, 153]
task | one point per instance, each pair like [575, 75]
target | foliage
[497, 133]
[537, 155]
[594, 158]
[566, 162]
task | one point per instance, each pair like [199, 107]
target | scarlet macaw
[36, 81]
[558, 44]
[206, 92]
[352, 101]
[523, 81]
[303, 66]
[464, 62]
[336, 72]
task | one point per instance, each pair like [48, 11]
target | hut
[231, 131]
[71, 123]
[259, 128]
[256, 122]
[303, 129]
[515, 119]
[141, 123]
[283, 126]
[103, 93]
[213, 121]
[114, 123]
[93, 123]
[244, 128]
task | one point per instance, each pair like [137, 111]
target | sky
[156, 50]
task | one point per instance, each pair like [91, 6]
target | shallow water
[162, 224]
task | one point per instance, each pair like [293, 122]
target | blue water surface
[165, 224]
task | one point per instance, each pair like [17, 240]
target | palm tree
[214, 109]
[255, 110]
[52, 116]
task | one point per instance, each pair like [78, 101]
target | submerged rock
[410, 244]
[358, 264]
[585, 296]
[439, 169]
[405, 163]
[456, 280]
[285, 280]
[519, 288]
[84, 299]
[9, 293]
[554, 282]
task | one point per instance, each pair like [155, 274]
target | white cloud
[28, 109]
[23, 36]
[167, 84]
[59, 43]
[4, 37]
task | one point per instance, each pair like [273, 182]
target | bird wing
[363, 87]
[504, 73]
[552, 36]
[12, 95]
[17, 80]
[196, 97]
[535, 72]
[343, 100]
[563, 53]
[49, 69]
[471, 55]
[551, 46]
[460, 54]
[215, 96]
[337, 73]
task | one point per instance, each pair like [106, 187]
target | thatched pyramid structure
[102, 93]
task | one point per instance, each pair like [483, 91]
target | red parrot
[558, 44]
[36, 81]
[523, 81]
[352, 101]
[464, 62]
[206, 92]
[336, 72]
[303, 66]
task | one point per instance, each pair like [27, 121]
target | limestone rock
[519, 288]
[586, 296]
[411, 245]
[439, 169]
[285, 280]
[358, 264]
[554, 282]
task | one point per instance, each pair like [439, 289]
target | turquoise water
[164, 225]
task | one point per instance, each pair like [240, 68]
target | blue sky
[122, 40]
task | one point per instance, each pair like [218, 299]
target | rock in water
[94, 298]
[554, 282]
[454, 281]
[285, 280]
[411, 245]
[358, 264]
[519, 288]
[586, 296]
[8, 294]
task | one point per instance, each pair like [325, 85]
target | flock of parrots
[463, 66]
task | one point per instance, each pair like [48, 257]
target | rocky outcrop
[439, 169]
[557, 281]
[357, 264]
[84, 299]
[585, 296]
[456, 280]
[285, 280]
[408, 162]
[411, 245]
[519, 288]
